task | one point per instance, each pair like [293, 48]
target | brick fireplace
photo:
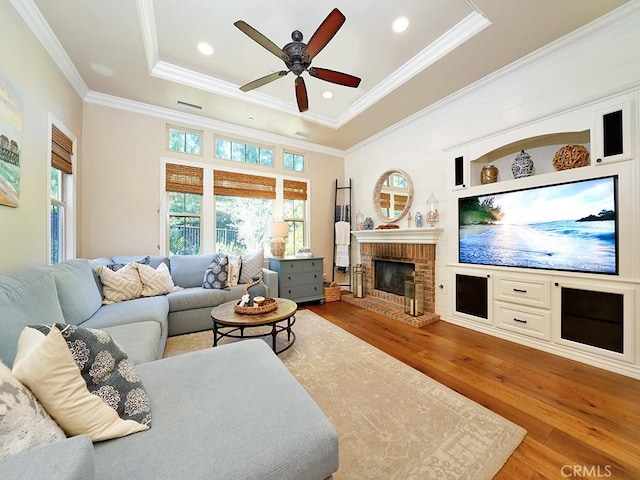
[385, 246]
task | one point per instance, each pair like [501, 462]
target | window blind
[184, 179]
[294, 190]
[234, 184]
[61, 151]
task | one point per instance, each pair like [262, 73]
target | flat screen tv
[569, 226]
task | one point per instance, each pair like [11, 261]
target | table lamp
[277, 230]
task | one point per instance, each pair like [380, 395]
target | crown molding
[198, 121]
[40, 28]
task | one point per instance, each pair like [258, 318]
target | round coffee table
[234, 324]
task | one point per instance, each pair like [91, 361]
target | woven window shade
[61, 151]
[294, 190]
[184, 179]
[242, 185]
[385, 200]
[400, 201]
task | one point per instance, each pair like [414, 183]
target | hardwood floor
[582, 422]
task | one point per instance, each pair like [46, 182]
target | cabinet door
[596, 317]
[472, 295]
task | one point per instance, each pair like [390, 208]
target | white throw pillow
[155, 281]
[24, 423]
[121, 285]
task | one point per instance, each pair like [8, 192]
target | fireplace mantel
[427, 235]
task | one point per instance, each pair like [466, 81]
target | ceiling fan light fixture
[205, 49]
[327, 94]
[400, 24]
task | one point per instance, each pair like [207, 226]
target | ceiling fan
[298, 55]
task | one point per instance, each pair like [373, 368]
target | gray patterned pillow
[216, 275]
[83, 379]
[117, 266]
[23, 422]
[251, 266]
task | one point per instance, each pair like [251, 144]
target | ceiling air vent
[190, 106]
[303, 134]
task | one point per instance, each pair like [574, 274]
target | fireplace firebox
[389, 275]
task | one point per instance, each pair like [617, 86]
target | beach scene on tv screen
[569, 227]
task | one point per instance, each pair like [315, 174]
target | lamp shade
[278, 229]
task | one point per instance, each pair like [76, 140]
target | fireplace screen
[389, 276]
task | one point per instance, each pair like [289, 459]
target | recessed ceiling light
[327, 94]
[102, 69]
[400, 24]
[205, 48]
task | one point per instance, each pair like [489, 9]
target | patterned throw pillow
[251, 266]
[83, 379]
[216, 274]
[156, 281]
[123, 284]
[23, 422]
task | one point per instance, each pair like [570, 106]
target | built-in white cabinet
[593, 317]
[586, 319]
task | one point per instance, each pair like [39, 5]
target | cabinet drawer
[307, 278]
[533, 322]
[290, 266]
[536, 293]
[298, 292]
[311, 265]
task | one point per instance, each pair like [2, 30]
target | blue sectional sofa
[230, 412]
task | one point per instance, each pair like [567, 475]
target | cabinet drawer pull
[519, 290]
[519, 321]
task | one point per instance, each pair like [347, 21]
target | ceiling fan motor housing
[294, 50]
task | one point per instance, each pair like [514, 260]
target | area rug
[393, 422]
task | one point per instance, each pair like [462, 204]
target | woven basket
[571, 156]
[331, 291]
[269, 305]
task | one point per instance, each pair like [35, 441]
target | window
[293, 161]
[240, 152]
[295, 198]
[244, 206]
[207, 209]
[185, 141]
[61, 241]
[184, 191]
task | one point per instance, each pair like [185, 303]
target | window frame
[67, 200]
[232, 141]
[207, 205]
[294, 155]
[186, 131]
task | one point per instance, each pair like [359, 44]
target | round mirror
[393, 195]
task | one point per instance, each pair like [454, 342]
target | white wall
[591, 64]
[24, 63]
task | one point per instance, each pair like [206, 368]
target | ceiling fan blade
[261, 39]
[263, 80]
[323, 34]
[301, 95]
[335, 77]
